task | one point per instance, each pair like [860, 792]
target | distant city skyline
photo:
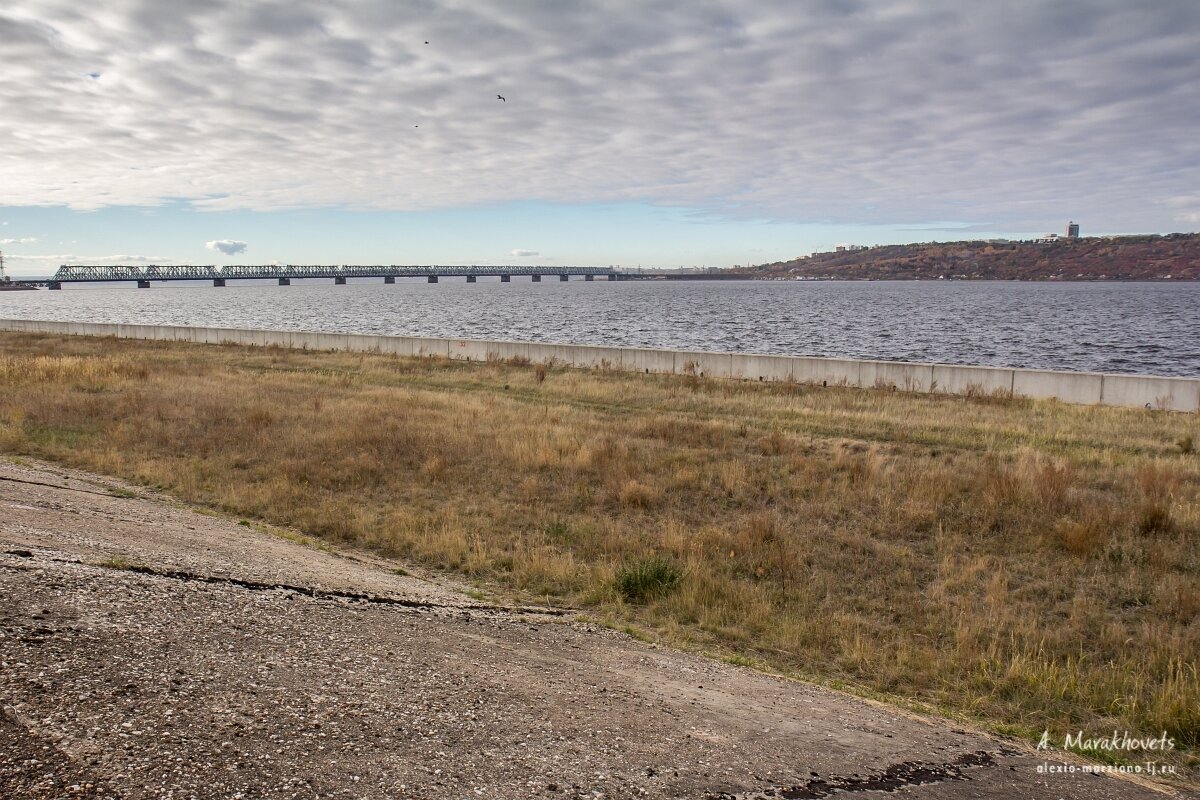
[660, 134]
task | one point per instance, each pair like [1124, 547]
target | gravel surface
[147, 650]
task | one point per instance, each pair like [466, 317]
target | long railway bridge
[285, 274]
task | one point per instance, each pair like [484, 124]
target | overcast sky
[664, 133]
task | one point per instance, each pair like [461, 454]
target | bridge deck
[152, 272]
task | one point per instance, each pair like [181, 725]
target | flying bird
[501, 97]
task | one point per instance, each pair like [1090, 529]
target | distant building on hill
[1072, 230]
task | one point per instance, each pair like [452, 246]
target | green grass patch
[646, 579]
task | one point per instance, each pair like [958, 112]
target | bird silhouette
[501, 97]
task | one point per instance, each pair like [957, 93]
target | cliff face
[1175, 256]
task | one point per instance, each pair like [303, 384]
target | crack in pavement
[306, 591]
[894, 778]
[114, 493]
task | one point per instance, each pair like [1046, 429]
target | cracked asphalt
[148, 650]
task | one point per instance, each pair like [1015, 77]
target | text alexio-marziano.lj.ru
[1120, 742]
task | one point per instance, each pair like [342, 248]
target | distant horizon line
[699, 268]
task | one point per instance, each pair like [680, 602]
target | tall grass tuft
[647, 578]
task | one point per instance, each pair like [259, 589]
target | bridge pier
[537, 278]
[389, 278]
[470, 279]
[588, 277]
[612, 277]
[54, 285]
[433, 279]
[285, 281]
[218, 281]
[505, 278]
[564, 277]
[339, 280]
[143, 284]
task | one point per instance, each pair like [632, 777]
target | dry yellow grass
[1036, 564]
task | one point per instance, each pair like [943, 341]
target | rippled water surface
[1105, 327]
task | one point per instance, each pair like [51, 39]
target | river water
[1147, 328]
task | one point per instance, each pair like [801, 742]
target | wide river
[1148, 328]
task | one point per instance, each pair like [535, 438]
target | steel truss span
[153, 272]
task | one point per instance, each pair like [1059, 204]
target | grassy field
[1033, 564]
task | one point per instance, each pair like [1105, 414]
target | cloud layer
[228, 247]
[1000, 113]
[57, 259]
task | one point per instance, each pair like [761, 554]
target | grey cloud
[227, 247]
[21, 240]
[520, 253]
[886, 111]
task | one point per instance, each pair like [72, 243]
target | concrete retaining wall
[762, 368]
[1070, 387]
[657, 361]
[953, 379]
[704, 365]
[1174, 394]
[1090, 388]
[895, 375]
[826, 371]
